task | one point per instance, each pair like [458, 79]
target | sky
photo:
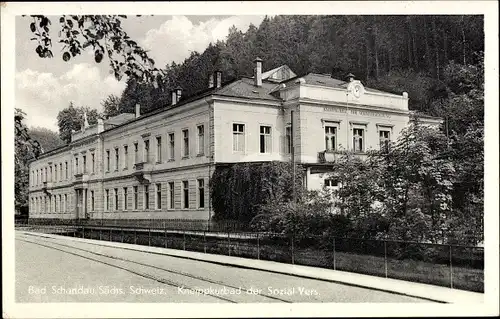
[43, 87]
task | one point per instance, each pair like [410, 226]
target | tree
[111, 106]
[48, 139]
[72, 118]
[105, 35]
[25, 148]
[463, 110]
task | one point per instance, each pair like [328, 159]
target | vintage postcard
[242, 159]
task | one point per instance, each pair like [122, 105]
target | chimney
[350, 77]
[218, 79]
[258, 72]
[178, 91]
[137, 110]
[211, 81]
[174, 97]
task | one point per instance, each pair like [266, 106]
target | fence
[173, 224]
[454, 266]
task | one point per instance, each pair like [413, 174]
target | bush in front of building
[238, 190]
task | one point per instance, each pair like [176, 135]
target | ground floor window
[201, 193]
[185, 192]
[171, 192]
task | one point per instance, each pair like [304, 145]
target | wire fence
[454, 266]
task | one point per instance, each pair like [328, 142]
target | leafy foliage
[391, 53]
[111, 106]
[25, 149]
[72, 119]
[48, 139]
[105, 35]
[237, 190]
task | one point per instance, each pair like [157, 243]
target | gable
[279, 74]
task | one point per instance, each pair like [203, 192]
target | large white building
[158, 165]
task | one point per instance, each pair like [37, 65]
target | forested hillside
[391, 53]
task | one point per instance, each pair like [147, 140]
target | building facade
[158, 165]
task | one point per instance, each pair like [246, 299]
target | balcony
[328, 156]
[142, 172]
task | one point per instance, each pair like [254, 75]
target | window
[92, 155]
[55, 203]
[76, 165]
[55, 172]
[201, 139]
[201, 193]
[158, 149]
[185, 136]
[331, 182]
[117, 158]
[92, 201]
[288, 140]
[158, 196]
[358, 143]
[45, 169]
[265, 139]
[66, 169]
[107, 200]
[60, 171]
[107, 160]
[185, 192]
[171, 192]
[125, 155]
[50, 167]
[135, 197]
[116, 198]
[330, 138]
[384, 140]
[146, 197]
[136, 152]
[239, 137]
[146, 151]
[125, 199]
[171, 145]
[84, 164]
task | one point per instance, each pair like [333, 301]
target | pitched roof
[245, 88]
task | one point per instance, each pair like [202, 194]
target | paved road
[60, 270]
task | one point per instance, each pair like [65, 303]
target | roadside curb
[424, 291]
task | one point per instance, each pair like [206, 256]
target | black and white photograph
[174, 159]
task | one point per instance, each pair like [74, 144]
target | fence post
[149, 236]
[451, 269]
[204, 242]
[165, 237]
[228, 244]
[83, 232]
[258, 247]
[293, 259]
[100, 233]
[385, 257]
[184, 239]
[111, 234]
[334, 260]
[123, 235]
[135, 236]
